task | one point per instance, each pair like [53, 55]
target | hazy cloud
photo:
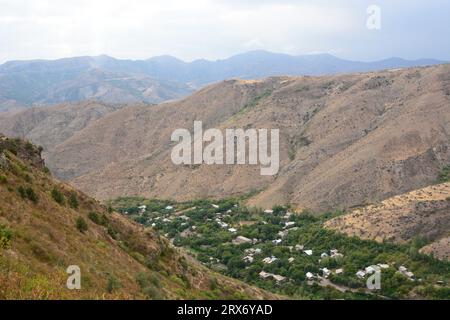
[219, 28]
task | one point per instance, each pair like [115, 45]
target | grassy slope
[118, 259]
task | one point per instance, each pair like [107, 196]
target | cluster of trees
[213, 246]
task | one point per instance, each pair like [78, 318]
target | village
[277, 249]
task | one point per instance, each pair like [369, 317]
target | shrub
[94, 217]
[6, 236]
[113, 283]
[81, 225]
[73, 201]
[31, 195]
[28, 193]
[58, 196]
[153, 293]
[444, 175]
[22, 192]
[3, 180]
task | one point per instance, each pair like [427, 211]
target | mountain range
[162, 78]
[345, 140]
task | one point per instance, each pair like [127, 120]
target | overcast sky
[214, 29]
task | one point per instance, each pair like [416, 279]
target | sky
[217, 29]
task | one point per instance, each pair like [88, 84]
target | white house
[215, 206]
[291, 260]
[308, 252]
[248, 259]
[324, 255]
[278, 278]
[372, 269]
[169, 208]
[326, 272]
[309, 276]
[360, 274]
[269, 260]
[265, 275]
[268, 211]
[339, 271]
[299, 247]
[241, 240]
[232, 230]
[289, 224]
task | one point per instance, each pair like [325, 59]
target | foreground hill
[423, 213]
[37, 82]
[345, 140]
[47, 226]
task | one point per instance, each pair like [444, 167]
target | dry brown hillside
[421, 213]
[346, 140]
[47, 226]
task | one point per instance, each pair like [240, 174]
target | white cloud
[187, 29]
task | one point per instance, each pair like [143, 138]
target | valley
[290, 253]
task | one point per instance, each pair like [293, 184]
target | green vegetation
[444, 175]
[81, 225]
[3, 179]
[255, 101]
[28, 193]
[207, 230]
[58, 196]
[73, 200]
[113, 284]
[6, 236]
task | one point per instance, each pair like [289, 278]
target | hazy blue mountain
[162, 78]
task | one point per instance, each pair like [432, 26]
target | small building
[215, 206]
[169, 208]
[326, 272]
[232, 230]
[248, 259]
[308, 252]
[289, 224]
[278, 278]
[269, 260]
[291, 259]
[265, 275]
[299, 247]
[268, 211]
[309, 276]
[241, 240]
[277, 241]
[339, 271]
[360, 274]
[383, 266]
[324, 255]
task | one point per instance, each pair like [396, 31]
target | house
[169, 208]
[360, 274]
[402, 269]
[324, 255]
[299, 247]
[291, 260]
[269, 260]
[308, 252]
[278, 278]
[334, 251]
[265, 275]
[289, 224]
[309, 276]
[339, 271]
[232, 230]
[215, 206]
[241, 240]
[326, 272]
[248, 259]
[268, 211]
[277, 241]
[383, 266]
